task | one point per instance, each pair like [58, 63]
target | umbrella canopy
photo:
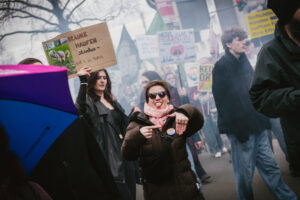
[36, 107]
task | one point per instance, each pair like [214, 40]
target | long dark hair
[91, 83]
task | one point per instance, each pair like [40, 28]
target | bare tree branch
[66, 4]
[77, 6]
[31, 15]
[28, 5]
[28, 32]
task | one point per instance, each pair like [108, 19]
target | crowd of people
[154, 137]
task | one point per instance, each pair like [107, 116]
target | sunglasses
[160, 94]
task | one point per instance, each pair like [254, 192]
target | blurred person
[147, 76]
[250, 53]
[128, 98]
[157, 136]
[74, 166]
[108, 123]
[275, 89]
[210, 129]
[245, 127]
[14, 184]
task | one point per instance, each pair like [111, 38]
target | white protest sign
[176, 46]
[147, 46]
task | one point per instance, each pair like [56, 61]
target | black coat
[109, 135]
[275, 90]
[74, 167]
[231, 82]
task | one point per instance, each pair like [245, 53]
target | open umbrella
[36, 107]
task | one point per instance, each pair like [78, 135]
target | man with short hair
[245, 127]
[275, 89]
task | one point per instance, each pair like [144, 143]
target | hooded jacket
[275, 89]
[172, 175]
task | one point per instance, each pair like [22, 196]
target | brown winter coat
[182, 185]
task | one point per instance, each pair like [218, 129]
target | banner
[261, 23]
[205, 77]
[176, 46]
[147, 46]
[89, 46]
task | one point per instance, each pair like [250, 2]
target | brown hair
[155, 83]
[28, 61]
[232, 33]
[91, 83]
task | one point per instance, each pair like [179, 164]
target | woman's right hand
[146, 131]
[84, 71]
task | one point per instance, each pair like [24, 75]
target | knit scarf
[157, 117]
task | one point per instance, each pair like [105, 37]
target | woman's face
[145, 81]
[101, 82]
[157, 97]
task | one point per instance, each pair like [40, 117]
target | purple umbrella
[36, 107]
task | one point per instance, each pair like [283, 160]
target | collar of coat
[289, 44]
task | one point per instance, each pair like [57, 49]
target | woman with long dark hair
[108, 122]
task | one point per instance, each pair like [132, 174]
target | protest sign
[166, 9]
[261, 23]
[205, 77]
[192, 74]
[176, 46]
[89, 46]
[147, 46]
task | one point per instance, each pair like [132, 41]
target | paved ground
[222, 186]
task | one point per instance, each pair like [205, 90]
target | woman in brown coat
[157, 138]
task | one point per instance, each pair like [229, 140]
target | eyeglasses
[160, 94]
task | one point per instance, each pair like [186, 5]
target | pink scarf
[158, 117]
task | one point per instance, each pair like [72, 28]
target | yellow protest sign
[205, 77]
[261, 23]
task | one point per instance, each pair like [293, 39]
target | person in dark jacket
[14, 184]
[275, 89]
[108, 122]
[245, 127]
[157, 136]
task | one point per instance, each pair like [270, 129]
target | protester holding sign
[108, 123]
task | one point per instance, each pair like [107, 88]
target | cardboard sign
[176, 46]
[261, 23]
[89, 46]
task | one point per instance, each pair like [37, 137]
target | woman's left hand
[181, 122]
